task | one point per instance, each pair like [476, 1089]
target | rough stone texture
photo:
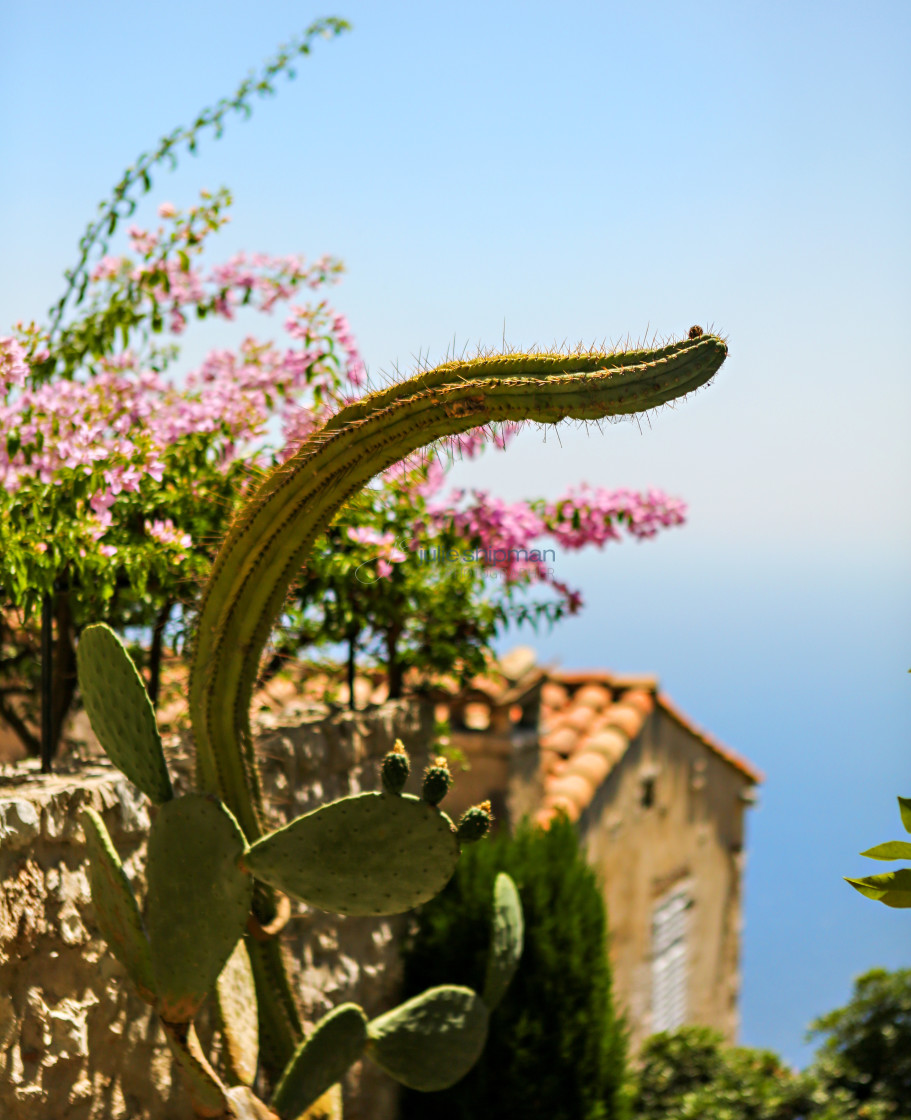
[75, 1042]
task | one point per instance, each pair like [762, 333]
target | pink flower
[13, 366]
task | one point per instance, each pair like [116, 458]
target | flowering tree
[118, 481]
[414, 578]
[119, 478]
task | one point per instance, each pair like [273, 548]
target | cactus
[373, 853]
[127, 729]
[474, 823]
[431, 1041]
[116, 911]
[336, 1042]
[395, 768]
[437, 781]
[235, 995]
[506, 940]
[198, 900]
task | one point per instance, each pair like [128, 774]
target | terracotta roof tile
[561, 739]
[578, 718]
[594, 766]
[611, 742]
[553, 695]
[594, 696]
[625, 718]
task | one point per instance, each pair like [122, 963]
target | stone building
[659, 805]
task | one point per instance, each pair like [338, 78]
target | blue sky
[590, 171]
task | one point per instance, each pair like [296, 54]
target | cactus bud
[395, 768]
[474, 823]
[437, 781]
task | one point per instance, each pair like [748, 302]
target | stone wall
[75, 1042]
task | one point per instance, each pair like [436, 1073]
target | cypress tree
[556, 1049]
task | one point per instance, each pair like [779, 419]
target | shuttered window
[669, 923]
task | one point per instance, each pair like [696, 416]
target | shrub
[866, 1052]
[690, 1074]
[556, 1049]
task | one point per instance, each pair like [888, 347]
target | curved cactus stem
[272, 536]
[322, 1059]
[279, 1021]
[433, 1040]
[116, 911]
[120, 711]
[235, 995]
[270, 539]
[507, 939]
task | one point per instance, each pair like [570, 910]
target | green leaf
[893, 888]
[904, 804]
[892, 849]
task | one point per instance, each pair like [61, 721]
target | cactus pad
[328, 1107]
[198, 900]
[116, 911]
[208, 1095]
[245, 1105]
[506, 940]
[235, 992]
[374, 853]
[335, 1043]
[437, 781]
[120, 711]
[433, 1040]
[395, 768]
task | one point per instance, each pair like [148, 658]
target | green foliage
[690, 1075]
[861, 1072]
[866, 1052]
[556, 1049]
[892, 888]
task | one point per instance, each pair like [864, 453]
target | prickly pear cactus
[335, 1043]
[507, 940]
[116, 910]
[198, 900]
[433, 1040]
[120, 711]
[374, 853]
